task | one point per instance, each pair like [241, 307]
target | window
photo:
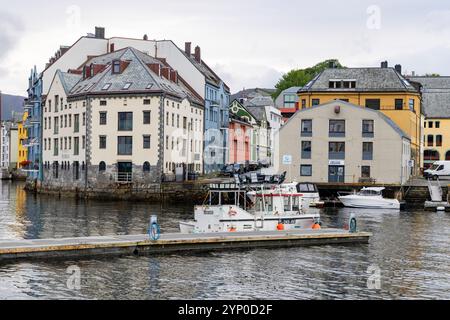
[430, 125]
[303, 103]
[315, 102]
[56, 126]
[76, 149]
[438, 124]
[70, 121]
[306, 128]
[102, 142]
[84, 142]
[398, 104]
[116, 67]
[306, 171]
[430, 141]
[146, 167]
[337, 150]
[373, 104]
[77, 123]
[147, 117]
[84, 118]
[290, 100]
[367, 150]
[368, 128]
[105, 87]
[412, 105]
[125, 146]
[102, 167]
[438, 141]
[147, 101]
[103, 103]
[103, 118]
[337, 128]
[365, 172]
[125, 121]
[147, 142]
[306, 149]
[65, 121]
[127, 86]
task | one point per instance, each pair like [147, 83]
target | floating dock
[170, 243]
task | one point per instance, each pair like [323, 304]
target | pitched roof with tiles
[135, 77]
[435, 96]
[367, 80]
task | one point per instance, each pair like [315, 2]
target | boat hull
[370, 203]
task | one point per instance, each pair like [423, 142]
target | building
[33, 107]
[339, 142]
[193, 71]
[436, 127]
[122, 118]
[241, 136]
[383, 89]
[22, 159]
[288, 102]
[9, 146]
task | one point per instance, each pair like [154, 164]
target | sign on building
[287, 160]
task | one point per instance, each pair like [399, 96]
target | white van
[438, 170]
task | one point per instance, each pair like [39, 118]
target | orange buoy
[280, 227]
[233, 229]
[317, 227]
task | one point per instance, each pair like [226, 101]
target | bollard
[353, 224]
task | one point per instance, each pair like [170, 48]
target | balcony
[124, 177]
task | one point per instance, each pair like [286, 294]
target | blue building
[33, 105]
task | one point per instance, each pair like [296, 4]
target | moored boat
[369, 198]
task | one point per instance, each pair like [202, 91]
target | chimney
[187, 48]
[156, 68]
[384, 65]
[413, 73]
[111, 47]
[100, 33]
[165, 72]
[145, 37]
[174, 76]
[198, 54]
[398, 68]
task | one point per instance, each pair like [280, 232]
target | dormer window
[342, 84]
[116, 67]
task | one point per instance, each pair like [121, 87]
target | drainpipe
[88, 111]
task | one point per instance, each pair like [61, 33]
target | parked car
[439, 170]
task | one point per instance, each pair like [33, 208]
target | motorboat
[263, 208]
[370, 198]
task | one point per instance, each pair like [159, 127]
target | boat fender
[353, 225]
[232, 212]
[280, 227]
[317, 226]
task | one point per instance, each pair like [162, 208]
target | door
[125, 172]
[336, 174]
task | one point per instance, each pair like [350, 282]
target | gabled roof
[240, 112]
[389, 121]
[258, 113]
[68, 80]
[435, 96]
[136, 73]
[260, 102]
[367, 80]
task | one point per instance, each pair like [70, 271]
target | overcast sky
[249, 43]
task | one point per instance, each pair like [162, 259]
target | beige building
[339, 142]
[124, 117]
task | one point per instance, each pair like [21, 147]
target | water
[411, 250]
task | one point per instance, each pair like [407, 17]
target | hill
[9, 104]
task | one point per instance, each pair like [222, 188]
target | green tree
[301, 77]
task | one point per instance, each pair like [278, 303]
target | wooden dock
[170, 243]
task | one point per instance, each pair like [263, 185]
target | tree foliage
[301, 77]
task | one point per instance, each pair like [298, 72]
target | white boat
[274, 208]
[370, 198]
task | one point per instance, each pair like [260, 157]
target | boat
[257, 208]
[369, 198]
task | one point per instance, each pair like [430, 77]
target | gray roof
[389, 121]
[259, 102]
[367, 80]
[435, 96]
[137, 73]
[252, 93]
[279, 101]
[68, 80]
[259, 113]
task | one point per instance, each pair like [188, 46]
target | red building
[240, 133]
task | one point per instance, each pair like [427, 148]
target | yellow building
[381, 89]
[436, 127]
[23, 136]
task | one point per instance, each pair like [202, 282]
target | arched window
[431, 155]
[447, 156]
[102, 167]
[146, 167]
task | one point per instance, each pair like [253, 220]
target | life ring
[232, 212]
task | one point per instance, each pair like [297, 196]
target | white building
[124, 117]
[9, 145]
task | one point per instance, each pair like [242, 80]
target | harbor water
[408, 257]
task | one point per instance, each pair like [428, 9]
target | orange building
[240, 133]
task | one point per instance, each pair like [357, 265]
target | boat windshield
[369, 193]
[307, 187]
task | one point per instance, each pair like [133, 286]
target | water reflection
[412, 249]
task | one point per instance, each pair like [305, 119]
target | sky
[249, 43]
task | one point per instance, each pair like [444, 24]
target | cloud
[10, 29]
